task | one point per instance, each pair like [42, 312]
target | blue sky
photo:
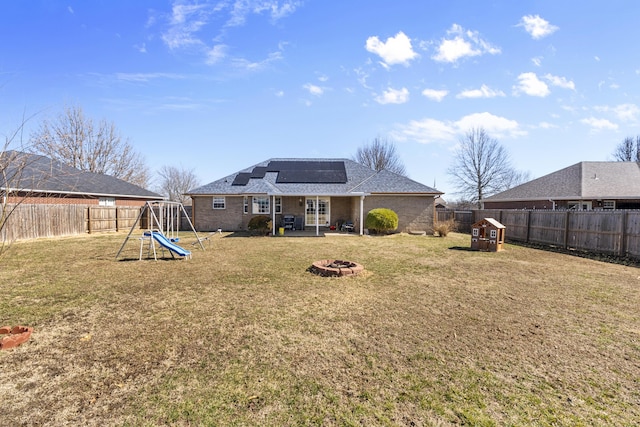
[217, 86]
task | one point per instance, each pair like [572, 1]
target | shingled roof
[39, 174]
[584, 180]
[328, 177]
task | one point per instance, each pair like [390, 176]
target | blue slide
[166, 243]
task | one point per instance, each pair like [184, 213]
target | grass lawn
[242, 334]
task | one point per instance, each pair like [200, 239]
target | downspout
[317, 217]
[273, 215]
[361, 215]
[553, 205]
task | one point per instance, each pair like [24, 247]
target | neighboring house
[583, 186]
[440, 203]
[31, 178]
[317, 192]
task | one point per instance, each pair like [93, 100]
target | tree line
[481, 166]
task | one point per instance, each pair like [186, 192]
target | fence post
[528, 226]
[623, 233]
[89, 219]
[566, 229]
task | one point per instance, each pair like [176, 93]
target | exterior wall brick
[415, 213]
[62, 200]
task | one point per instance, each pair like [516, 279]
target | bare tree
[174, 182]
[13, 192]
[628, 150]
[482, 167]
[514, 178]
[74, 139]
[380, 154]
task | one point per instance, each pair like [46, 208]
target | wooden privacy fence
[31, 221]
[463, 219]
[607, 232]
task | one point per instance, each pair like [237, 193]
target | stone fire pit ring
[336, 267]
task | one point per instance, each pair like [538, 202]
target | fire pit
[335, 267]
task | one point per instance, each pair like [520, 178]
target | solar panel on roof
[241, 179]
[280, 165]
[259, 172]
[311, 177]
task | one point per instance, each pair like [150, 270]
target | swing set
[161, 221]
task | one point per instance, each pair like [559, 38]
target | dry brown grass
[243, 335]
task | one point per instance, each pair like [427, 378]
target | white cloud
[396, 50]
[216, 54]
[313, 89]
[624, 112]
[528, 83]
[186, 20]
[496, 126]
[599, 124]
[240, 9]
[435, 95]
[546, 125]
[560, 82]
[426, 131]
[142, 48]
[627, 112]
[259, 65]
[393, 96]
[537, 61]
[430, 130]
[462, 43]
[484, 92]
[536, 26]
[146, 77]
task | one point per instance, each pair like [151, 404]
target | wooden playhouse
[487, 235]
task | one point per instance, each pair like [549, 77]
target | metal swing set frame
[165, 223]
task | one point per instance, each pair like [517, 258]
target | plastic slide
[166, 243]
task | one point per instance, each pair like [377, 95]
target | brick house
[318, 193]
[31, 178]
[583, 186]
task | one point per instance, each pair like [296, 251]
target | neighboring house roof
[584, 180]
[34, 173]
[312, 177]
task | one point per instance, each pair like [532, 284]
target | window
[494, 234]
[261, 204]
[107, 201]
[278, 205]
[219, 203]
[609, 204]
[475, 232]
[245, 205]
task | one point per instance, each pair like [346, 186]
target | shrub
[260, 224]
[381, 220]
[444, 227]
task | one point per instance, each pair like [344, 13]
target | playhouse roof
[491, 221]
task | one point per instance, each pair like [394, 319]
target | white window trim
[255, 206]
[218, 199]
[278, 204]
[245, 205]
